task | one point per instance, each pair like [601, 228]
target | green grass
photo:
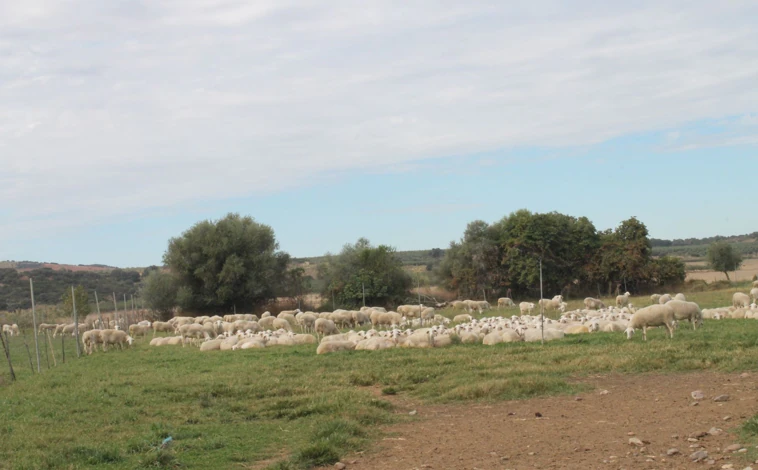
[291, 409]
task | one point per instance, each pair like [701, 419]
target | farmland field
[285, 407]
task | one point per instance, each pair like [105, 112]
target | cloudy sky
[124, 122]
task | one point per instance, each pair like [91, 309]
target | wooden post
[542, 306]
[126, 315]
[76, 323]
[63, 347]
[99, 316]
[115, 309]
[28, 353]
[34, 322]
[6, 350]
[52, 349]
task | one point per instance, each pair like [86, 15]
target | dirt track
[590, 430]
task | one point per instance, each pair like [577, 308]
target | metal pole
[126, 314]
[115, 309]
[34, 322]
[76, 323]
[99, 316]
[542, 306]
[363, 285]
[418, 289]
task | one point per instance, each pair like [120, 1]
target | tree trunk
[727, 276]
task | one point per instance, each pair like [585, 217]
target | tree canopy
[490, 259]
[362, 265]
[82, 302]
[159, 290]
[234, 261]
[724, 258]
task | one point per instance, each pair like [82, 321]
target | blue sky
[123, 123]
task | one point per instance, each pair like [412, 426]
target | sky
[123, 123]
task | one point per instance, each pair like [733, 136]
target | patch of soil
[590, 430]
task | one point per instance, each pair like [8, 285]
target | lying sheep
[534, 334]
[577, 329]
[623, 300]
[138, 330]
[591, 303]
[374, 344]
[211, 345]
[334, 346]
[462, 318]
[505, 302]
[654, 315]
[689, 311]
[740, 299]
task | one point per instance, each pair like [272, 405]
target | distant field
[748, 269]
[289, 408]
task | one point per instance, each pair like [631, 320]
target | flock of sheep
[411, 326]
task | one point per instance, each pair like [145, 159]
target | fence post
[34, 322]
[99, 316]
[76, 323]
[6, 350]
[63, 347]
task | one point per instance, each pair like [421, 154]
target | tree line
[494, 259]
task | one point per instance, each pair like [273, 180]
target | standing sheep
[684, 310]
[591, 303]
[655, 298]
[681, 297]
[326, 327]
[663, 299]
[623, 300]
[505, 302]
[740, 299]
[526, 307]
[754, 294]
[654, 315]
[113, 337]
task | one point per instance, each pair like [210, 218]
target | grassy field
[288, 408]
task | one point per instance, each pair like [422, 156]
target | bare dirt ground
[748, 269]
[585, 431]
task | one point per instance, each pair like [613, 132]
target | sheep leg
[671, 331]
[644, 332]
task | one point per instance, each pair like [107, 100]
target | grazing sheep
[526, 308]
[46, 327]
[505, 302]
[307, 321]
[113, 337]
[462, 318]
[427, 315]
[655, 298]
[138, 330]
[681, 297]
[663, 299]
[266, 323]
[334, 346]
[754, 294]
[740, 299]
[163, 327]
[326, 327]
[623, 300]
[90, 340]
[684, 310]
[458, 305]
[362, 318]
[482, 305]
[410, 311]
[282, 324]
[654, 315]
[551, 304]
[613, 326]
[591, 303]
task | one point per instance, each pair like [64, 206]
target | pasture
[285, 407]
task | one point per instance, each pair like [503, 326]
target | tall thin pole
[76, 323]
[134, 314]
[126, 313]
[418, 289]
[6, 350]
[99, 315]
[363, 285]
[115, 309]
[542, 306]
[34, 322]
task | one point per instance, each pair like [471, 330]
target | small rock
[732, 448]
[698, 456]
[727, 418]
[340, 466]
[744, 375]
[578, 399]
[696, 403]
[714, 431]
[672, 451]
[697, 395]
[630, 434]
[538, 414]
[531, 453]
[691, 439]
[675, 436]
[604, 392]
[698, 435]
[635, 442]
[727, 466]
[742, 451]
[504, 458]
[511, 414]
[413, 413]
[721, 398]
[710, 462]
[425, 465]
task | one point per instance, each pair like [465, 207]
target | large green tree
[724, 258]
[159, 290]
[362, 265]
[234, 261]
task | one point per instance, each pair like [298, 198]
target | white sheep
[654, 315]
[334, 346]
[754, 294]
[211, 345]
[655, 298]
[623, 300]
[462, 318]
[681, 297]
[163, 327]
[684, 310]
[577, 329]
[113, 337]
[326, 327]
[505, 302]
[138, 330]
[591, 303]
[664, 298]
[526, 308]
[90, 340]
[740, 299]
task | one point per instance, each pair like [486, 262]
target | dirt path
[591, 430]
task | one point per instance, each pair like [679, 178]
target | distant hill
[22, 266]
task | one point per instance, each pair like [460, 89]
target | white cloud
[112, 107]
